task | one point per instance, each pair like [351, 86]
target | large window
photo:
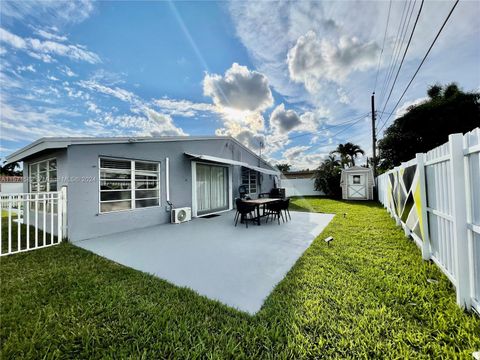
[249, 179]
[43, 176]
[128, 184]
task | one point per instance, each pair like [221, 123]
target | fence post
[422, 199]
[64, 212]
[460, 230]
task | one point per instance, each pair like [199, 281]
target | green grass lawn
[365, 296]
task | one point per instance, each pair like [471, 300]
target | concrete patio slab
[235, 265]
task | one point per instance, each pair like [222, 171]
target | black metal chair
[275, 210]
[242, 191]
[285, 204]
[244, 211]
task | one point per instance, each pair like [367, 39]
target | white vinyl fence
[436, 199]
[31, 221]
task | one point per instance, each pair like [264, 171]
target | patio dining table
[261, 202]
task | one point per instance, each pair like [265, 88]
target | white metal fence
[436, 199]
[31, 221]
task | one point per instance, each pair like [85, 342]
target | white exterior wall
[11, 188]
[300, 187]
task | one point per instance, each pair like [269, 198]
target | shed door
[357, 186]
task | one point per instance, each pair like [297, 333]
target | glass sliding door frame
[213, 208]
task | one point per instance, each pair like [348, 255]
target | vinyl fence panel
[436, 199]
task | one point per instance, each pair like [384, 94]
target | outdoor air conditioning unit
[180, 215]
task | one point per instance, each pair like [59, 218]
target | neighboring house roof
[299, 174]
[52, 143]
[10, 179]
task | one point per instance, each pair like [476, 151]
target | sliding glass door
[211, 188]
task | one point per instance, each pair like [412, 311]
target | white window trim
[250, 172]
[194, 188]
[37, 163]
[132, 186]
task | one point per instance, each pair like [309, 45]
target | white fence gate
[436, 199]
[31, 221]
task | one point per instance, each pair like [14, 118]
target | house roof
[51, 143]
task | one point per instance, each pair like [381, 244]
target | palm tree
[342, 151]
[331, 161]
[348, 153]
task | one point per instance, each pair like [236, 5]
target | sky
[290, 80]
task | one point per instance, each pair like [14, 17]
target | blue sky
[294, 78]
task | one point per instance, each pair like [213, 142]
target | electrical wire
[383, 45]
[397, 38]
[396, 55]
[404, 54]
[422, 62]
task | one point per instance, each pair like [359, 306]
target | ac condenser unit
[180, 215]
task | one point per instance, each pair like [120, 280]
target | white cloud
[184, 108]
[313, 59]
[146, 121]
[45, 50]
[117, 92]
[294, 152]
[50, 35]
[284, 121]
[92, 107]
[48, 12]
[402, 109]
[240, 89]
[67, 71]
[29, 68]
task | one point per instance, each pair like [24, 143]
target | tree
[327, 177]
[10, 169]
[348, 153]
[284, 167]
[427, 125]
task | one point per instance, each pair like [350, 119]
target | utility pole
[374, 138]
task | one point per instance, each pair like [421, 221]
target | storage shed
[357, 183]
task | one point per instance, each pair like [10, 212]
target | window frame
[356, 178]
[132, 182]
[249, 185]
[37, 180]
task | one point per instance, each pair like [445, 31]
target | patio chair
[244, 212]
[242, 191]
[285, 204]
[275, 210]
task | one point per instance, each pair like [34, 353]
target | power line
[383, 45]
[394, 50]
[396, 55]
[404, 54]
[327, 127]
[421, 63]
[338, 133]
